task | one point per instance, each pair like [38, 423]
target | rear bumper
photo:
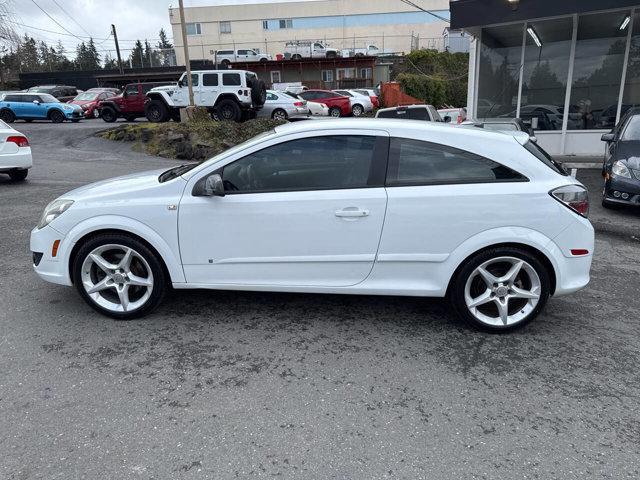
[572, 271]
[20, 160]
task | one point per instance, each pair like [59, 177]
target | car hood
[630, 153]
[122, 187]
[81, 102]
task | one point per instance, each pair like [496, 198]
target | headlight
[53, 211]
[620, 169]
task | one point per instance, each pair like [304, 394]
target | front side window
[131, 90]
[46, 98]
[231, 79]
[304, 165]
[225, 27]
[194, 29]
[414, 162]
[194, 79]
[271, 96]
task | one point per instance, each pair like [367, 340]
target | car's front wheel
[56, 116]
[335, 112]
[108, 114]
[18, 175]
[357, 110]
[501, 289]
[119, 276]
[156, 111]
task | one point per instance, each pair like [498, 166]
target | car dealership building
[571, 67]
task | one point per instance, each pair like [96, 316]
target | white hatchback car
[383, 207]
[15, 153]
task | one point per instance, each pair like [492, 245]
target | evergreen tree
[165, 53]
[81, 56]
[110, 63]
[93, 57]
[28, 55]
[44, 53]
[136, 56]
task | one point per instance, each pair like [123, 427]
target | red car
[88, 101]
[339, 105]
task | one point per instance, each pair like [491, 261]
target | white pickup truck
[299, 49]
[226, 57]
[369, 50]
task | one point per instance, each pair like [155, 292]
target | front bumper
[74, 115]
[50, 268]
[622, 185]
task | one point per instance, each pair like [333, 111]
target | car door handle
[352, 212]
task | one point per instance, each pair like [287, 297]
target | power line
[410, 3]
[72, 19]
[31, 27]
[55, 21]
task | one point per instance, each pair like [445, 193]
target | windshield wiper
[175, 172]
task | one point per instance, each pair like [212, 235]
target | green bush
[430, 90]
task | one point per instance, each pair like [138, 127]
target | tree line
[30, 55]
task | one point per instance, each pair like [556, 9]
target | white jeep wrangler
[228, 95]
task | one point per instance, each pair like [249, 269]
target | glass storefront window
[631, 96]
[499, 75]
[546, 66]
[597, 70]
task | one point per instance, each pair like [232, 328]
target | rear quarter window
[231, 79]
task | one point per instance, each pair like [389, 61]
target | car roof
[405, 107]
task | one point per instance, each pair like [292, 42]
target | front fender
[129, 225]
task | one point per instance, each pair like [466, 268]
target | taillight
[574, 197]
[298, 104]
[19, 140]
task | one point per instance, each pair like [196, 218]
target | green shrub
[430, 90]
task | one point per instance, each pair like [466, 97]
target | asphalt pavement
[224, 385]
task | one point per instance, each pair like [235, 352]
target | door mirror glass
[213, 186]
[608, 137]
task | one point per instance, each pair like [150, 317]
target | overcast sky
[133, 19]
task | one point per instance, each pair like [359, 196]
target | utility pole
[187, 62]
[115, 37]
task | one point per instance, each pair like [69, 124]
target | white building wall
[342, 23]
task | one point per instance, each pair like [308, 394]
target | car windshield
[87, 96]
[46, 98]
[40, 90]
[632, 131]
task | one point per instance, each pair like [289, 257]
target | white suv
[227, 57]
[352, 206]
[227, 94]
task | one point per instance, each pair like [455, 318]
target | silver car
[281, 106]
[360, 103]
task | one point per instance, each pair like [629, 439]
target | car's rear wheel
[119, 276]
[18, 175]
[501, 289]
[357, 110]
[156, 111]
[335, 112]
[279, 114]
[108, 114]
[229, 110]
[296, 56]
[56, 116]
[7, 116]
[225, 63]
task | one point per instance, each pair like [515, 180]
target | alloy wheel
[279, 115]
[502, 291]
[357, 110]
[117, 278]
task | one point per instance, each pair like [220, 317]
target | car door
[131, 96]
[303, 212]
[209, 90]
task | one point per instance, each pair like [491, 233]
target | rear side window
[231, 79]
[414, 162]
[13, 98]
[538, 152]
[210, 79]
[303, 164]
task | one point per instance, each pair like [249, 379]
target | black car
[621, 169]
[64, 93]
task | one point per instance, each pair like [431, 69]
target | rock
[174, 137]
[145, 135]
[184, 150]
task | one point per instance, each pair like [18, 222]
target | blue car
[37, 106]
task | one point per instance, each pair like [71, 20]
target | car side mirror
[447, 119]
[37, 102]
[180, 84]
[213, 186]
[608, 137]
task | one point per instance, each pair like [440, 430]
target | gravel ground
[243, 385]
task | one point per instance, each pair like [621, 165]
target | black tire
[279, 114]
[225, 63]
[154, 262]
[7, 116]
[156, 111]
[108, 114]
[263, 60]
[229, 110]
[296, 56]
[56, 116]
[458, 285]
[357, 110]
[331, 55]
[335, 112]
[18, 175]
[258, 92]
